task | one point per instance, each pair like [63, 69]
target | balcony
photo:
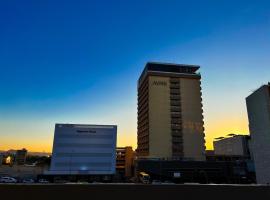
[176, 115]
[174, 86]
[175, 103]
[175, 109]
[175, 97]
[175, 91]
[176, 121]
[176, 126]
[176, 133]
[177, 146]
[174, 80]
[177, 140]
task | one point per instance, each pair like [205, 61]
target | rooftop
[169, 68]
[84, 126]
[262, 87]
[231, 135]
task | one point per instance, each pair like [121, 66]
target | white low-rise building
[236, 145]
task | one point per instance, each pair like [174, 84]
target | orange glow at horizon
[47, 145]
[222, 127]
[32, 146]
[213, 128]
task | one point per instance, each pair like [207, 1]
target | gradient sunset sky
[79, 61]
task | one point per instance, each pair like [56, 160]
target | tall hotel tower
[170, 115]
[258, 107]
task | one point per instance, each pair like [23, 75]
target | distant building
[124, 161]
[11, 152]
[81, 149]
[170, 115]
[234, 145]
[20, 156]
[258, 107]
[1, 159]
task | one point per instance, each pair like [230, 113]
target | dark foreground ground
[139, 192]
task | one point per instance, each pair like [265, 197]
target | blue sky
[79, 61]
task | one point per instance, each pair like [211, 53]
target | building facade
[124, 161]
[170, 115]
[236, 145]
[219, 172]
[80, 149]
[258, 107]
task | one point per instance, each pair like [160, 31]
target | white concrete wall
[258, 106]
[232, 146]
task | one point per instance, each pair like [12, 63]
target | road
[133, 191]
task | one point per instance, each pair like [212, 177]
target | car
[28, 180]
[156, 182]
[144, 178]
[71, 183]
[43, 181]
[168, 183]
[94, 182]
[190, 183]
[7, 179]
[60, 181]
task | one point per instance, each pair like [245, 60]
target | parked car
[28, 180]
[168, 183]
[144, 178]
[7, 179]
[94, 182]
[156, 182]
[192, 183]
[60, 181]
[43, 181]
